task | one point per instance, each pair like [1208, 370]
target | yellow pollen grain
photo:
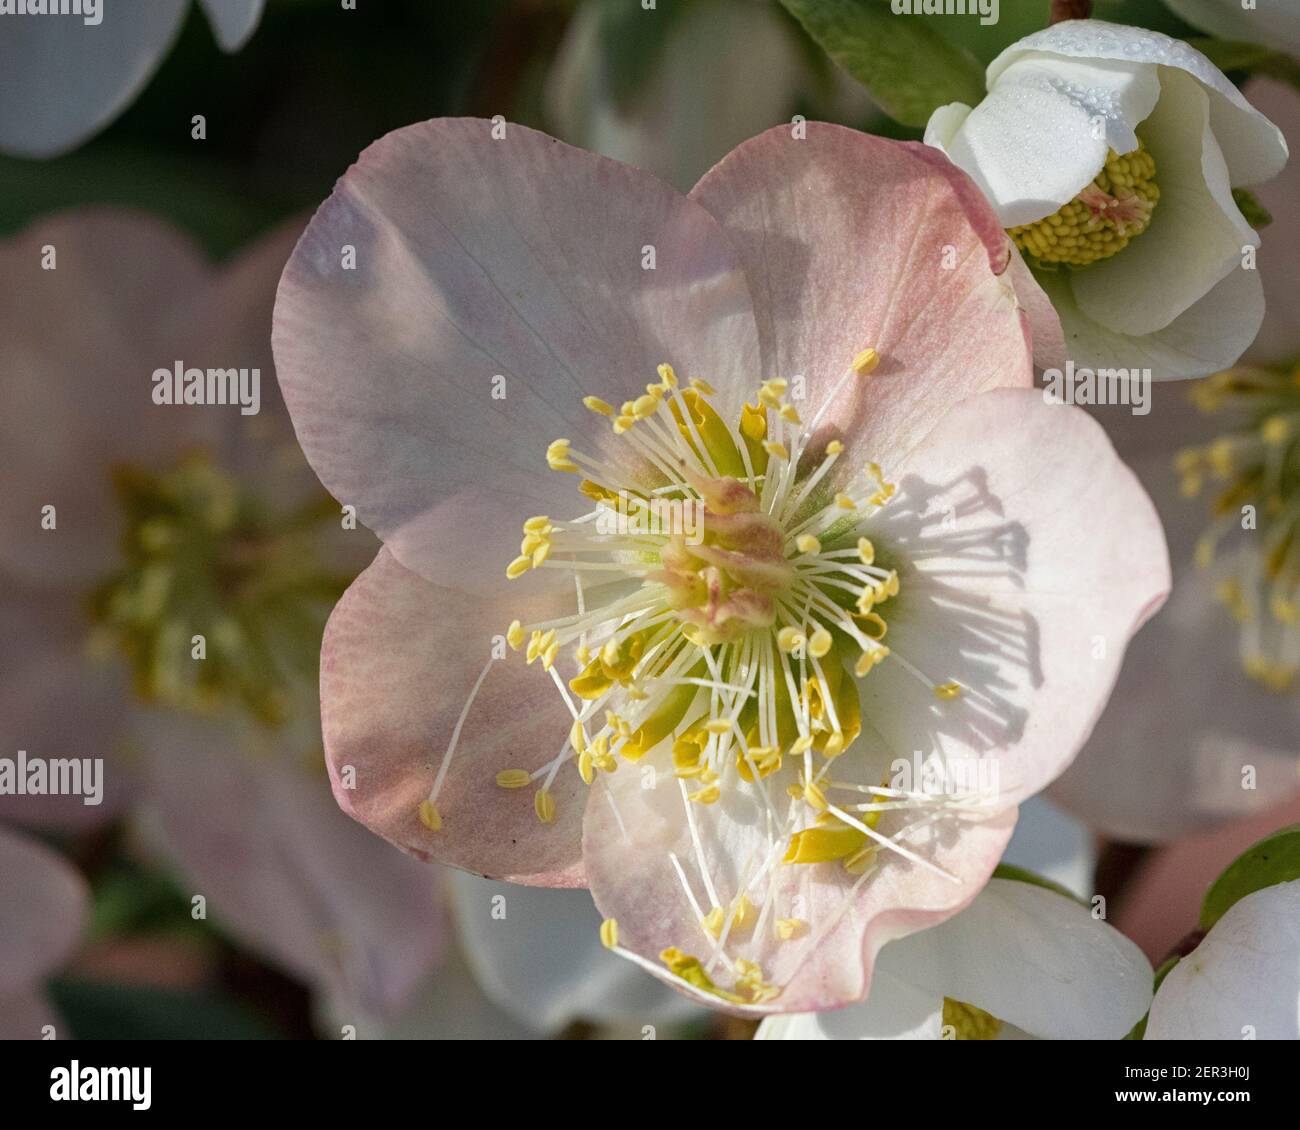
[866, 362]
[808, 544]
[515, 635]
[668, 376]
[544, 806]
[776, 450]
[609, 933]
[820, 643]
[513, 778]
[787, 928]
[430, 817]
[835, 448]
[947, 691]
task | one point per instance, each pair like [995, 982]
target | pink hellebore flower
[133, 526]
[794, 413]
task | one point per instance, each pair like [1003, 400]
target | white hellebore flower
[1021, 962]
[1243, 980]
[1111, 154]
[67, 76]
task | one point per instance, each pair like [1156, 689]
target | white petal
[1209, 336]
[1051, 844]
[1254, 148]
[1242, 980]
[544, 964]
[1197, 232]
[64, 79]
[1035, 959]
[233, 21]
[895, 1010]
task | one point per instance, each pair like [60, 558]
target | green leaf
[908, 68]
[1273, 860]
[1020, 875]
[1257, 216]
[1251, 58]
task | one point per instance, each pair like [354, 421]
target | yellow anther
[645, 406]
[668, 376]
[947, 691]
[742, 912]
[802, 744]
[835, 744]
[718, 726]
[622, 423]
[515, 635]
[544, 806]
[789, 638]
[865, 362]
[702, 386]
[835, 448]
[1275, 430]
[609, 933]
[813, 794]
[820, 643]
[1285, 609]
[707, 795]
[513, 778]
[860, 860]
[430, 817]
[787, 928]
[776, 450]
[557, 457]
[808, 544]
[866, 552]
[577, 736]
[844, 502]
[714, 921]
[538, 525]
[824, 843]
[789, 413]
[868, 659]
[586, 767]
[518, 567]
[600, 407]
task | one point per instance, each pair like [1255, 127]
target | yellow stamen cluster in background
[1101, 221]
[1251, 474]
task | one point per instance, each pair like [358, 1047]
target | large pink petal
[278, 864]
[42, 908]
[398, 663]
[1028, 556]
[635, 824]
[852, 241]
[519, 258]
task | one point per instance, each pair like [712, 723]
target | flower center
[729, 595]
[202, 557]
[1255, 505]
[1114, 209]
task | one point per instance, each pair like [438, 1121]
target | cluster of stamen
[1252, 476]
[202, 558]
[1100, 221]
[748, 599]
